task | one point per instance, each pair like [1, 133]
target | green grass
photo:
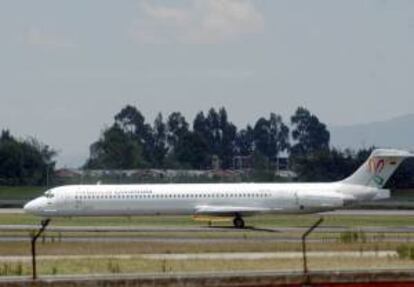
[118, 266]
[49, 246]
[20, 192]
[54, 246]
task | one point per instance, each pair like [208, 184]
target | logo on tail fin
[375, 166]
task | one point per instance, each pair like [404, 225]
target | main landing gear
[238, 222]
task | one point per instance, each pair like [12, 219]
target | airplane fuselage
[221, 199]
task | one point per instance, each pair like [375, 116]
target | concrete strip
[371, 212]
[268, 255]
[210, 256]
[190, 240]
[11, 210]
[103, 229]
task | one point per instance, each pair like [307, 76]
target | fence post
[304, 236]
[44, 224]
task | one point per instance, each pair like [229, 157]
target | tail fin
[379, 167]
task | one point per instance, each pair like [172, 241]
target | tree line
[131, 142]
[210, 140]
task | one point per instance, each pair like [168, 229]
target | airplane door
[78, 203]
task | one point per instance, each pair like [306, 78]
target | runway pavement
[169, 229]
[211, 256]
[195, 240]
[371, 212]
[11, 210]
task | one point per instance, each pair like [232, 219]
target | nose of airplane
[34, 206]
[29, 207]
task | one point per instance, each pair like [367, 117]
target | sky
[67, 67]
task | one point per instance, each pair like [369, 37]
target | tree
[177, 128]
[320, 166]
[115, 150]
[279, 135]
[192, 152]
[309, 134]
[177, 131]
[271, 137]
[201, 136]
[244, 141]
[24, 162]
[330, 165]
[261, 133]
[218, 133]
[132, 122]
[227, 138]
[159, 148]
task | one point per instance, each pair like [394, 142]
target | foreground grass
[99, 248]
[115, 266]
[233, 241]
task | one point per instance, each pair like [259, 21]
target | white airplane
[231, 200]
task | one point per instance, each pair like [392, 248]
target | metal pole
[305, 261]
[44, 224]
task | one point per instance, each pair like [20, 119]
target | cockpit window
[49, 194]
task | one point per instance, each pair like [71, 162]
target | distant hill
[394, 133]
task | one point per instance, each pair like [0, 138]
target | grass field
[20, 192]
[49, 247]
[51, 244]
[111, 264]
[115, 266]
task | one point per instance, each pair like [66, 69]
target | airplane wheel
[238, 222]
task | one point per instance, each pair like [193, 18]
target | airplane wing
[230, 210]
